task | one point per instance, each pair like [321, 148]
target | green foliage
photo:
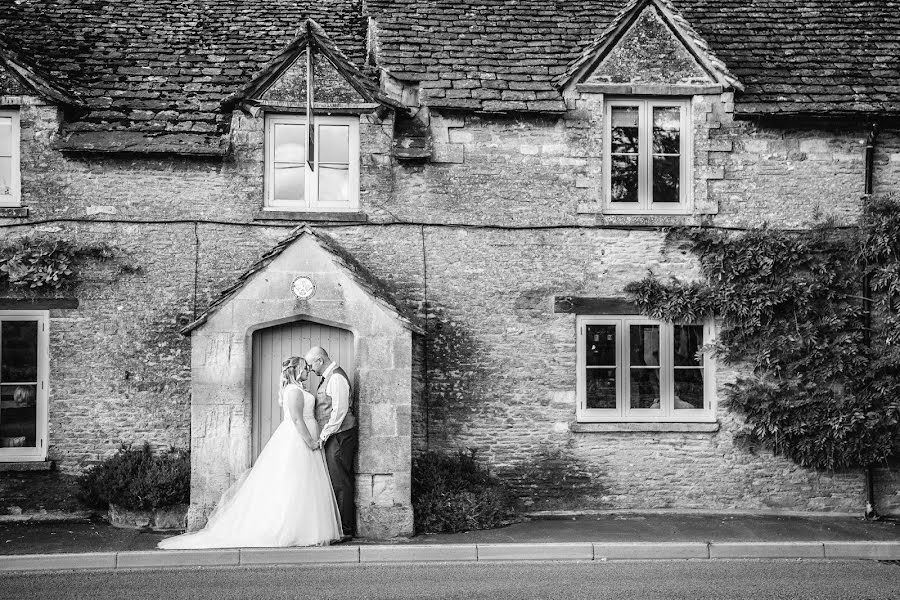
[824, 388]
[45, 264]
[454, 493]
[137, 480]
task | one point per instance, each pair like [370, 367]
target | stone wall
[479, 240]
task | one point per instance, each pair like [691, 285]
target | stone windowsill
[644, 427]
[286, 215]
[36, 465]
[673, 219]
[13, 212]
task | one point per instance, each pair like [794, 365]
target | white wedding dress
[286, 499]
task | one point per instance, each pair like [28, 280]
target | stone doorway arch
[274, 291]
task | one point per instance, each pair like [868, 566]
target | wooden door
[274, 344]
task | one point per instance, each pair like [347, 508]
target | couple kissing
[300, 491]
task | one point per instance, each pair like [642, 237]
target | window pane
[644, 388]
[18, 351]
[688, 388]
[624, 179]
[289, 181]
[601, 388]
[334, 183]
[624, 129]
[5, 176]
[687, 340]
[290, 143]
[18, 416]
[334, 144]
[600, 345]
[666, 175]
[666, 130]
[5, 136]
[644, 342]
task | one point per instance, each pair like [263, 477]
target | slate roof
[153, 72]
[378, 290]
[14, 61]
[826, 57]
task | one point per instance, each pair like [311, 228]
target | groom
[337, 421]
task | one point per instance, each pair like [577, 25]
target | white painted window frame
[311, 201]
[622, 413]
[39, 452]
[15, 198]
[645, 162]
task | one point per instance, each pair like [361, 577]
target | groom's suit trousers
[340, 450]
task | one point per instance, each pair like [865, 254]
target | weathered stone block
[448, 153]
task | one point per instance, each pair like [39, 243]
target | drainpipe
[871, 513]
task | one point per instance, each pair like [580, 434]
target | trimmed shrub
[453, 493]
[135, 479]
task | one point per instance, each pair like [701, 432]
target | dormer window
[647, 156]
[333, 183]
[9, 158]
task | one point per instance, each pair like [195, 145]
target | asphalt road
[644, 580]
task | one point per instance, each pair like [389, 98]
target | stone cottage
[452, 204]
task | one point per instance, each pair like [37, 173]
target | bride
[286, 499]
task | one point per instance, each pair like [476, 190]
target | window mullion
[622, 371]
[644, 189]
[667, 367]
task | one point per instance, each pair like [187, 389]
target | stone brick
[448, 153]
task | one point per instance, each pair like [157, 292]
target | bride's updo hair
[291, 368]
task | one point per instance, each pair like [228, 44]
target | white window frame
[311, 197]
[39, 452]
[644, 205]
[15, 198]
[622, 413]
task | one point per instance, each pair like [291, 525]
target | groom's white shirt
[339, 390]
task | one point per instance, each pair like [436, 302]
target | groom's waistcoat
[324, 402]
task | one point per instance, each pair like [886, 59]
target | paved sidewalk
[94, 544]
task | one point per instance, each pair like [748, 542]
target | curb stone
[53, 562]
[418, 553]
[649, 550]
[226, 557]
[870, 550]
[767, 550]
[523, 551]
[411, 553]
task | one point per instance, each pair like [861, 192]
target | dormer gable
[19, 77]
[649, 43]
[337, 81]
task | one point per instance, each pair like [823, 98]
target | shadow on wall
[455, 378]
[553, 478]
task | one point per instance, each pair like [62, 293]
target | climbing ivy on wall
[824, 379]
[34, 265]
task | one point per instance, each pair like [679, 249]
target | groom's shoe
[343, 539]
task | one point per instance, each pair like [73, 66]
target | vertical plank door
[271, 346]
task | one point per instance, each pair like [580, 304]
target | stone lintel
[37, 303]
[649, 89]
[321, 108]
[594, 306]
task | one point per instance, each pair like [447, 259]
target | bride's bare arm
[293, 399]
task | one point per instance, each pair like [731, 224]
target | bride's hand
[313, 445]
